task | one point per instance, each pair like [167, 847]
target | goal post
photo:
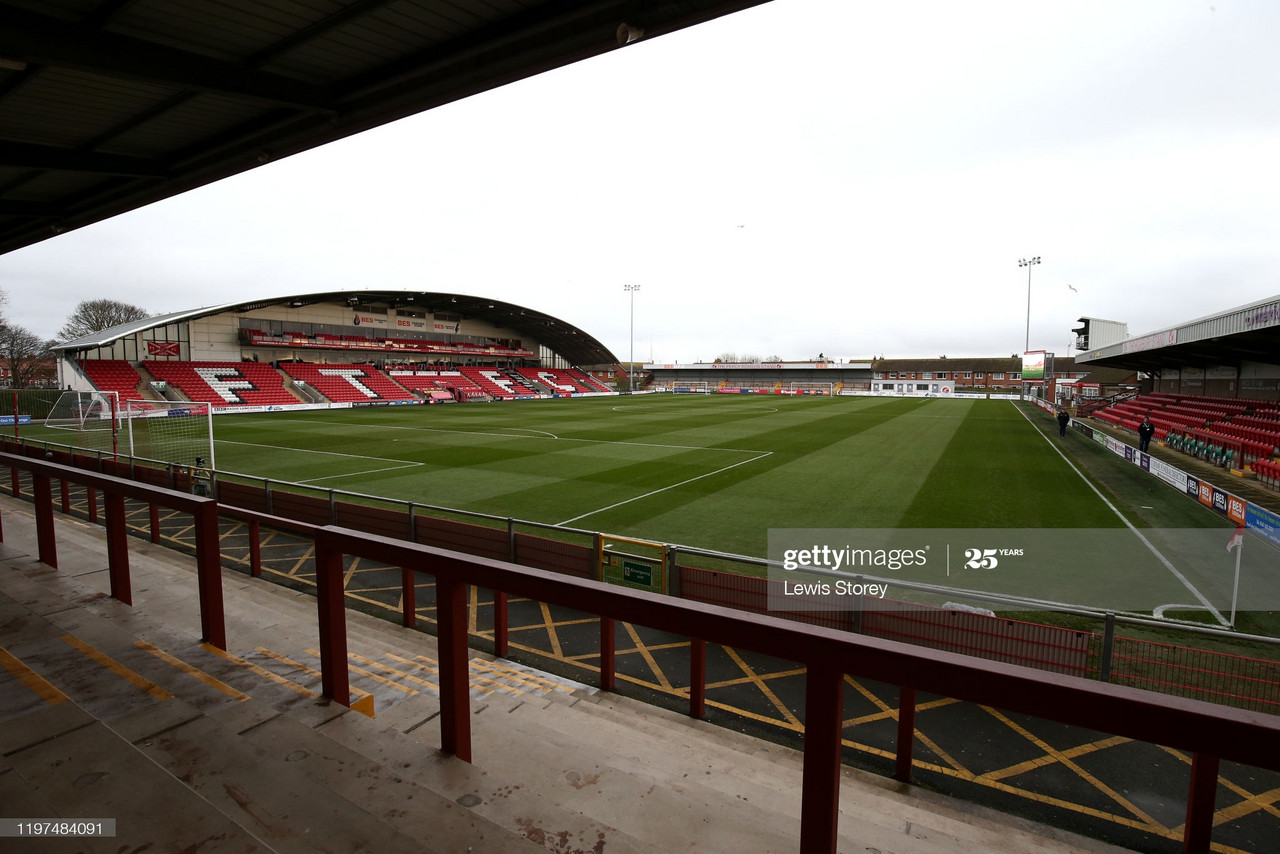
[91, 417]
[170, 431]
[628, 562]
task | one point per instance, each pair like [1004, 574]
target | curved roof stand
[572, 344]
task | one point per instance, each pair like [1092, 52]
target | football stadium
[424, 570]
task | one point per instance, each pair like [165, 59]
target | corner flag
[1237, 539]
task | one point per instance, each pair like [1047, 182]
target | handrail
[1210, 732]
[115, 490]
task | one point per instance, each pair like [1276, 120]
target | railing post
[331, 607]
[409, 598]
[117, 548]
[500, 642]
[213, 622]
[1108, 641]
[823, 731]
[1198, 831]
[255, 548]
[906, 733]
[64, 490]
[606, 654]
[455, 677]
[46, 540]
[697, 678]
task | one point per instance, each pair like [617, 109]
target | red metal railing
[1209, 732]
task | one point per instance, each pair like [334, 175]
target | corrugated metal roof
[107, 105]
[1246, 333]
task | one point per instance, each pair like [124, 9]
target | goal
[170, 431]
[90, 418]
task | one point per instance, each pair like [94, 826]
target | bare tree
[23, 353]
[95, 315]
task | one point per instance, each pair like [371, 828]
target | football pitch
[984, 491]
[721, 472]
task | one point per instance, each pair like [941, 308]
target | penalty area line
[759, 456]
[1150, 546]
[402, 464]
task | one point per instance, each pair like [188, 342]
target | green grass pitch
[719, 471]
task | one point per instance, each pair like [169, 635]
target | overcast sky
[811, 176]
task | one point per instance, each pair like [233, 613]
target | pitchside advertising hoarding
[1113, 569]
[1227, 504]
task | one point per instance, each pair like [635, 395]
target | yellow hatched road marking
[192, 671]
[648, 658]
[764, 689]
[42, 688]
[1148, 822]
[117, 668]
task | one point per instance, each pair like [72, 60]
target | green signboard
[637, 573]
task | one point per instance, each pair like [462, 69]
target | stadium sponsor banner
[8, 419]
[1220, 501]
[1264, 522]
[1175, 477]
[850, 569]
[298, 407]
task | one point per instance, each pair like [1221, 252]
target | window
[927, 375]
[998, 376]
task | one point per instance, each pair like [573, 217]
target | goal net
[89, 419]
[170, 431]
[823, 389]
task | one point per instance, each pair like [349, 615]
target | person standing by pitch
[1145, 431]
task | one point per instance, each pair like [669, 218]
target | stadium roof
[109, 105]
[567, 340]
[1247, 333]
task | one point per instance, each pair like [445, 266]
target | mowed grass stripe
[998, 472]
[853, 464]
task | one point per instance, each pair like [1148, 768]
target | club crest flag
[162, 348]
